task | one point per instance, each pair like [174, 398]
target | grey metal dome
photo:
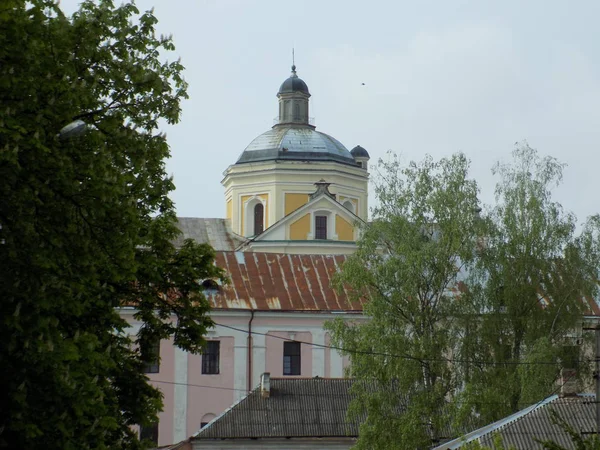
[295, 143]
[293, 84]
[359, 152]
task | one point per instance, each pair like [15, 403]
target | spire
[293, 65]
[293, 98]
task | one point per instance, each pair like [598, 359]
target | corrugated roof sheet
[313, 407]
[522, 430]
[579, 412]
[215, 232]
[276, 281]
[295, 408]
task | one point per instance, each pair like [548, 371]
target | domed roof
[296, 144]
[359, 152]
[293, 84]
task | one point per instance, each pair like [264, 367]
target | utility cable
[402, 356]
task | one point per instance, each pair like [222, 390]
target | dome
[295, 143]
[293, 84]
[359, 152]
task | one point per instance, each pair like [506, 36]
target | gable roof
[297, 213]
[521, 429]
[216, 232]
[296, 407]
[280, 282]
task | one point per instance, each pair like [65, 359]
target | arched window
[296, 111]
[206, 419]
[259, 213]
[349, 205]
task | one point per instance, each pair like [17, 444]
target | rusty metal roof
[280, 282]
[314, 407]
[215, 232]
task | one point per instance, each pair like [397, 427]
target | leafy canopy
[470, 311]
[87, 224]
[409, 260]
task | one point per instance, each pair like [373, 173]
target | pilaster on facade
[259, 358]
[180, 395]
[240, 354]
[318, 353]
[336, 364]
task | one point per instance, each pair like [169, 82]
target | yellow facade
[343, 229]
[294, 201]
[229, 209]
[280, 179]
[300, 228]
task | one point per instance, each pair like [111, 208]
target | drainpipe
[249, 374]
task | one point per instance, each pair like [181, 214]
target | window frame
[293, 365]
[211, 366]
[154, 365]
[319, 228]
[151, 432]
[259, 225]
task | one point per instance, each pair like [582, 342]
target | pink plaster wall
[213, 394]
[218, 394]
[166, 372]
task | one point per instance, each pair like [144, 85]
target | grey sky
[440, 77]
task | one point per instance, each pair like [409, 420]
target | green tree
[527, 287]
[86, 224]
[469, 314]
[409, 261]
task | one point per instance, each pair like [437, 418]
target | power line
[454, 401]
[402, 356]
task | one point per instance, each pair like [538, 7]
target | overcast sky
[440, 77]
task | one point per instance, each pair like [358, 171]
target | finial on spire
[293, 64]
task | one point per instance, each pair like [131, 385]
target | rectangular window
[149, 433]
[291, 358]
[210, 358]
[320, 227]
[153, 366]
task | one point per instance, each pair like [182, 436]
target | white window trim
[248, 206]
[330, 223]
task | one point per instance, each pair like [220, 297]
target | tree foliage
[87, 224]
[423, 234]
[528, 284]
[468, 312]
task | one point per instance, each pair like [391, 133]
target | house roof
[280, 282]
[216, 232]
[297, 407]
[521, 429]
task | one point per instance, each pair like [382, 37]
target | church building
[295, 189]
[295, 202]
